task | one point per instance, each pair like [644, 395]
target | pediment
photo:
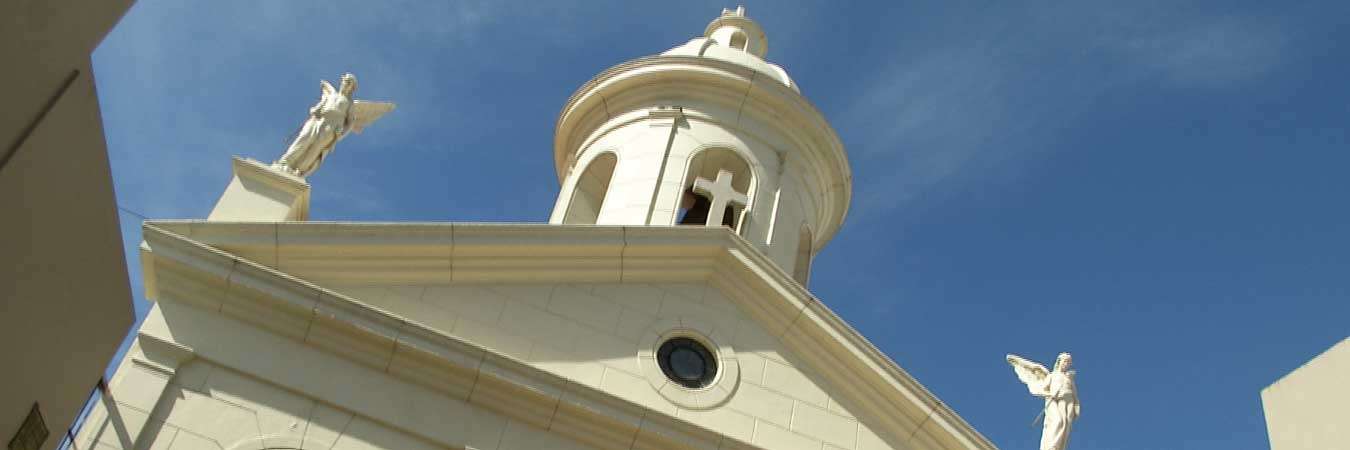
[583, 302]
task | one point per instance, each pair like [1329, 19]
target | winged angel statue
[1059, 392]
[329, 121]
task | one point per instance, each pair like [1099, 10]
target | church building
[664, 305]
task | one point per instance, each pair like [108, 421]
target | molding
[670, 113]
[295, 188]
[270, 442]
[527, 253]
[161, 355]
[258, 171]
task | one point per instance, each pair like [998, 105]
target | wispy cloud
[953, 113]
[1211, 53]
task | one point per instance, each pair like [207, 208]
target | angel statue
[330, 120]
[1061, 397]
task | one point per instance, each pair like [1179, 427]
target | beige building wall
[1310, 407]
[67, 303]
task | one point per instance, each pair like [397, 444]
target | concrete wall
[63, 282]
[1310, 407]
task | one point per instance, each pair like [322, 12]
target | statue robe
[319, 134]
[1061, 409]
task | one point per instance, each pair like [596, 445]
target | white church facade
[663, 307]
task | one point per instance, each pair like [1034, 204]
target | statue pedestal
[259, 193]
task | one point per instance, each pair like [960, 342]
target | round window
[687, 362]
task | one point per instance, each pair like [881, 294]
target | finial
[739, 12]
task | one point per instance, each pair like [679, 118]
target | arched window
[713, 173]
[801, 270]
[738, 41]
[589, 194]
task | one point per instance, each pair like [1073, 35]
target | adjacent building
[63, 280]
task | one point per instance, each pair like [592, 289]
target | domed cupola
[705, 134]
[735, 31]
[735, 38]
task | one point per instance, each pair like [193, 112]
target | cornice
[213, 252]
[273, 178]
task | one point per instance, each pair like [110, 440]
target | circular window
[687, 362]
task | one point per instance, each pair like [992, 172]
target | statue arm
[326, 90]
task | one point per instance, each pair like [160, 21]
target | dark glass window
[687, 362]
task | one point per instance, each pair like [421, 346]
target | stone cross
[720, 193]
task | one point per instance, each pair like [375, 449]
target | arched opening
[738, 41]
[589, 194]
[801, 269]
[716, 177]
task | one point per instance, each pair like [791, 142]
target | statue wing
[326, 89]
[364, 113]
[1030, 373]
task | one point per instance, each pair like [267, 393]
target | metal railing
[95, 395]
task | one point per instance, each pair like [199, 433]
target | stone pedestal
[262, 194]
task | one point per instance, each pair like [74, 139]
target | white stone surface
[721, 193]
[1058, 390]
[528, 311]
[662, 116]
[1307, 408]
[258, 193]
[330, 120]
[573, 331]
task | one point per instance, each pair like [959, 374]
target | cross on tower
[720, 193]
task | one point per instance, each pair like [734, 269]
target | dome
[706, 47]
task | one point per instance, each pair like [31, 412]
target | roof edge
[452, 252]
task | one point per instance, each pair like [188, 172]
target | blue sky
[1158, 187]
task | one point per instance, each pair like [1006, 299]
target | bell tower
[705, 134]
